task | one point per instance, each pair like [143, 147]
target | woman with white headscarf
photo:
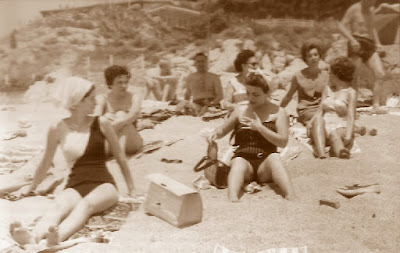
[90, 188]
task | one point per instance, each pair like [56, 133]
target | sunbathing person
[236, 91]
[122, 108]
[90, 188]
[202, 88]
[259, 128]
[357, 25]
[162, 82]
[339, 108]
[310, 84]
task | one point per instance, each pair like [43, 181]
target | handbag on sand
[214, 170]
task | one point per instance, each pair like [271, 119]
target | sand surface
[365, 223]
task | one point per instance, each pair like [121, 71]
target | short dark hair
[307, 46]
[200, 54]
[257, 80]
[343, 68]
[242, 58]
[113, 71]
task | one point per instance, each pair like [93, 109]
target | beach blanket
[13, 158]
[299, 133]
[99, 228]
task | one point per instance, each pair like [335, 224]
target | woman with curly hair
[235, 92]
[339, 108]
[310, 84]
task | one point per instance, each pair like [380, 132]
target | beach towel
[99, 228]
[299, 132]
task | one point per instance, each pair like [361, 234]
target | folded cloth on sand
[13, 134]
[356, 189]
[109, 220]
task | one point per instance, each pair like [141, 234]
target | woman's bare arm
[118, 153]
[289, 95]
[53, 136]
[351, 114]
[132, 115]
[280, 138]
[229, 124]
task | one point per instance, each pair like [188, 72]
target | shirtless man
[122, 108]
[162, 82]
[202, 88]
[357, 26]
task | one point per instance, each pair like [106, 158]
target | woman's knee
[274, 161]
[239, 165]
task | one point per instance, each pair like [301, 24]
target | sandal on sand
[356, 189]
[165, 160]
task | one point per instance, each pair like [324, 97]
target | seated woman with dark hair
[339, 108]
[122, 108]
[236, 91]
[310, 84]
[259, 128]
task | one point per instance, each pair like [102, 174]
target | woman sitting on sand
[339, 108]
[310, 84]
[122, 108]
[236, 91]
[259, 128]
[90, 188]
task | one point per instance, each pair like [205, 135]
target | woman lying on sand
[310, 84]
[259, 128]
[122, 108]
[90, 188]
[339, 108]
[236, 91]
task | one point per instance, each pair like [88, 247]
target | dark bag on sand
[214, 170]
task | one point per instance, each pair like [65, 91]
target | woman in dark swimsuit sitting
[259, 128]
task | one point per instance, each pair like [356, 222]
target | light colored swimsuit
[335, 108]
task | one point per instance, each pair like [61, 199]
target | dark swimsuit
[90, 170]
[252, 146]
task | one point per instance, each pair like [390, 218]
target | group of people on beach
[96, 128]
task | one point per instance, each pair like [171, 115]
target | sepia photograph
[200, 126]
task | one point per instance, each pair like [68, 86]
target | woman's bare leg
[62, 206]
[241, 171]
[318, 136]
[130, 139]
[337, 146]
[273, 169]
[99, 199]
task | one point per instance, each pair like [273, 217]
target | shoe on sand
[354, 190]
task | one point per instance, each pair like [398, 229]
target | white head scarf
[71, 91]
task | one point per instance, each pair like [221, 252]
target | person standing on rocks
[357, 25]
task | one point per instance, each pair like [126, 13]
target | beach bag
[214, 170]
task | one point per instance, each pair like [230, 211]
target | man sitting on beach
[202, 88]
[357, 26]
[162, 82]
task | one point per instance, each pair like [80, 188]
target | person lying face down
[90, 188]
[202, 88]
[258, 129]
[122, 108]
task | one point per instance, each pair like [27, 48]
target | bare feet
[233, 198]
[344, 153]
[52, 236]
[320, 156]
[21, 234]
[291, 197]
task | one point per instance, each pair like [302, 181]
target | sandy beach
[260, 221]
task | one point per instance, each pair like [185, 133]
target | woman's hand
[253, 124]
[355, 45]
